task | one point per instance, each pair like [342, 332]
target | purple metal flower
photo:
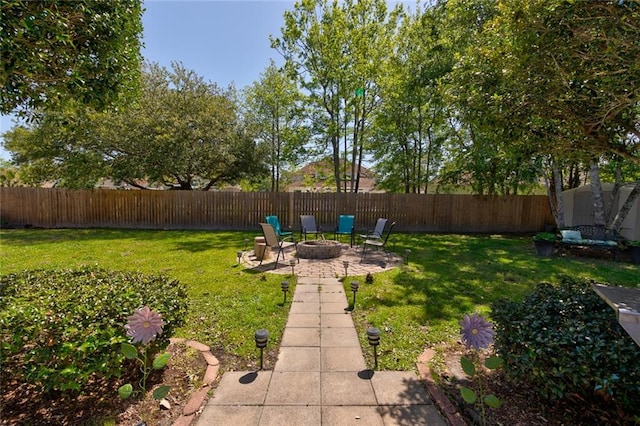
[476, 331]
[144, 325]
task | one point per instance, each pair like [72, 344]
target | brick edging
[443, 403]
[197, 398]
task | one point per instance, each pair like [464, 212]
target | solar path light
[373, 334]
[345, 263]
[239, 254]
[407, 252]
[261, 337]
[285, 288]
[292, 263]
[355, 285]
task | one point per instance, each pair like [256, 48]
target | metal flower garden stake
[143, 327]
[477, 334]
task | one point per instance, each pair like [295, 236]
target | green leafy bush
[566, 340]
[58, 328]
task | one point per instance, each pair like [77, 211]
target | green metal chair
[346, 226]
[282, 235]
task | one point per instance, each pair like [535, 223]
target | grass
[415, 306]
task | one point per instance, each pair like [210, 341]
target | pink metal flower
[144, 325]
[476, 331]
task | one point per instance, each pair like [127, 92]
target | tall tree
[575, 64]
[183, 133]
[274, 106]
[335, 49]
[86, 50]
[411, 123]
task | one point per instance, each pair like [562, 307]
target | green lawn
[414, 306]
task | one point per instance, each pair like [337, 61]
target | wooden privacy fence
[61, 208]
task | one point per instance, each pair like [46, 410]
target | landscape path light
[285, 288]
[261, 337]
[246, 243]
[292, 263]
[355, 285]
[373, 334]
[407, 252]
[239, 254]
[345, 263]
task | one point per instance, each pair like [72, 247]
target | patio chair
[308, 226]
[272, 241]
[346, 224]
[378, 243]
[282, 235]
[377, 232]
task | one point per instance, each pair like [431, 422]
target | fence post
[291, 212]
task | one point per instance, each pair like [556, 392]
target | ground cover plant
[59, 328]
[415, 306]
[564, 341]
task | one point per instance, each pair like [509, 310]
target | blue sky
[223, 41]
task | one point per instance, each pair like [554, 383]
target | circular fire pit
[319, 249]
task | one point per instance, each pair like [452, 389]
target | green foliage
[545, 236]
[471, 367]
[56, 50]
[141, 355]
[414, 306]
[477, 334]
[566, 340]
[183, 133]
[57, 149]
[60, 327]
[336, 51]
[274, 106]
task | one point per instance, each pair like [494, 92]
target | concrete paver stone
[351, 416]
[399, 388]
[346, 388]
[298, 359]
[291, 415]
[342, 337]
[242, 387]
[294, 388]
[300, 336]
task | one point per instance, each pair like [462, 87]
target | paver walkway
[320, 377]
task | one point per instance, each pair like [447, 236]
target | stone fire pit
[319, 249]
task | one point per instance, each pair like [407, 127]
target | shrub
[566, 340]
[59, 328]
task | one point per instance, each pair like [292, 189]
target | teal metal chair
[282, 235]
[346, 226]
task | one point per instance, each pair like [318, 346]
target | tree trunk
[625, 208]
[596, 194]
[554, 194]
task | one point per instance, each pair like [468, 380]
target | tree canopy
[86, 50]
[494, 96]
[182, 133]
